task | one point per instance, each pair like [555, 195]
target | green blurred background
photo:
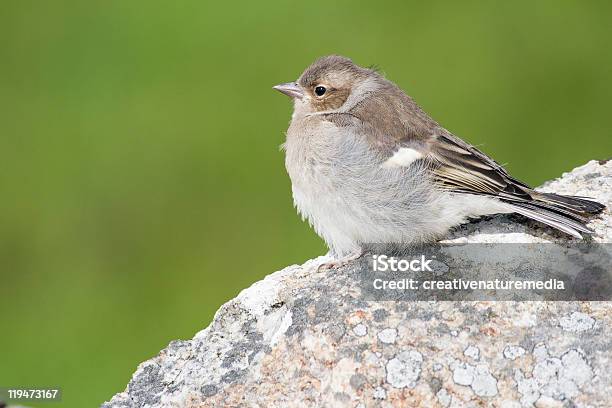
[141, 184]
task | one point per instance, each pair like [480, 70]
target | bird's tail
[565, 213]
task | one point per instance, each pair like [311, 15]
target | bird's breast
[312, 151]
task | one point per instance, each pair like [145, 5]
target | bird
[368, 165]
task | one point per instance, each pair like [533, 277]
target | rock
[513, 352]
[303, 338]
[472, 351]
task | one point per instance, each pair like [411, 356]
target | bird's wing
[458, 166]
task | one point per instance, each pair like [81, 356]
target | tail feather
[561, 210]
[577, 204]
[552, 219]
[565, 213]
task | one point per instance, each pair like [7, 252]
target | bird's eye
[320, 90]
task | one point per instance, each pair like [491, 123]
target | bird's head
[328, 84]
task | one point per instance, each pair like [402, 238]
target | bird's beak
[291, 89]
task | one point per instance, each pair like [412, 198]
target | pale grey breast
[341, 186]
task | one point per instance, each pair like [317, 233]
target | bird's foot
[337, 263]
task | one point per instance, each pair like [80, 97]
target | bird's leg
[341, 261]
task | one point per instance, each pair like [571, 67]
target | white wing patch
[402, 158]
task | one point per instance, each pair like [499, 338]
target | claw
[340, 262]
